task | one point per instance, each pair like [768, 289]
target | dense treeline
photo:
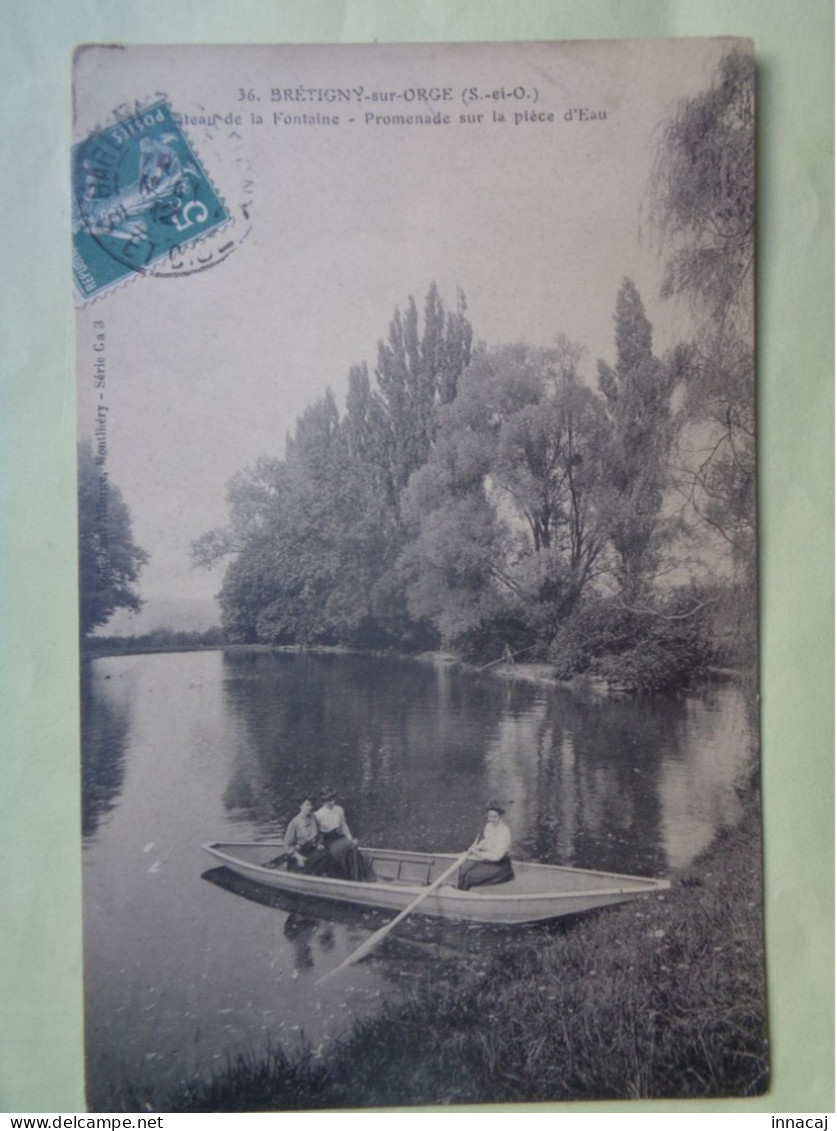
[486, 499]
[160, 639]
[317, 537]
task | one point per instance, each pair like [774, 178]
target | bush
[660, 649]
[489, 640]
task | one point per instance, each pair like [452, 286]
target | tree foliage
[486, 498]
[109, 560]
[309, 539]
[635, 649]
[703, 203]
[314, 538]
[505, 512]
[392, 426]
[702, 197]
[638, 392]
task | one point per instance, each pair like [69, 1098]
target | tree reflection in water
[105, 726]
[415, 749]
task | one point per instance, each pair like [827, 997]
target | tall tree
[638, 392]
[702, 197]
[504, 512]
[315, 537]
[109, 560]
[391, 425]
[307, 540]
[416, 372]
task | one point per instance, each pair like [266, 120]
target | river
[183, 973]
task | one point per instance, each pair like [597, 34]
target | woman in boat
[346, 858]
[304, 842]
[489, 859]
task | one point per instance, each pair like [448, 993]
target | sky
[537, 221]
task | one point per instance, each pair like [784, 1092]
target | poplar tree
[417, 370]
[638, 391]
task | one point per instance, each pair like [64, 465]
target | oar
[381, 934]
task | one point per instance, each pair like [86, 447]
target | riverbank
[127, 646]
[659, 998]
[542, 674]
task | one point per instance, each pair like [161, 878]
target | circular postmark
[145, 202]
[223, 147]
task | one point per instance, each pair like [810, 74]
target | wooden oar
[381, 934]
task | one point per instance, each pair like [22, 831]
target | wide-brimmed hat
[327, 793]
[496, 806]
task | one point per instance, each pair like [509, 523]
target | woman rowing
[489, 859]
[346, 857]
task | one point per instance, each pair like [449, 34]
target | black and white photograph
[418, 574]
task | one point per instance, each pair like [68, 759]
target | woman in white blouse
[489, 859]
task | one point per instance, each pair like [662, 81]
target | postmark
[141, 197]
[224, 151]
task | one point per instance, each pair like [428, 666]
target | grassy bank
[662, 997]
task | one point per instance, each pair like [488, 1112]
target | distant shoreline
[541, 674]
[153, 649]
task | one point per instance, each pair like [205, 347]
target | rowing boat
[537, 892]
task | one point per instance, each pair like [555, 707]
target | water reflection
[698, 782]
[593, 786]
[299, 929]
[311, 927]
[415, 749]
[181, 749]
[378, 730]
[105, 723]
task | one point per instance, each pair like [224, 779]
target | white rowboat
[537, 892]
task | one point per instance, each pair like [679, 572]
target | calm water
[184, 748]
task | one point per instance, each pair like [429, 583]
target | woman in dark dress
[347, 859]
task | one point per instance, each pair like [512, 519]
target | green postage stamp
[140, 196]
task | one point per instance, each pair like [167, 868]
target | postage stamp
[139, 194]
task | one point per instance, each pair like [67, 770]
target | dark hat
[303, 797]
[496, 806]
[327, 793]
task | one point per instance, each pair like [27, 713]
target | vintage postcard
[417, 557]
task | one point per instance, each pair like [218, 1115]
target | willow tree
[702, 197]
[702, 201]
